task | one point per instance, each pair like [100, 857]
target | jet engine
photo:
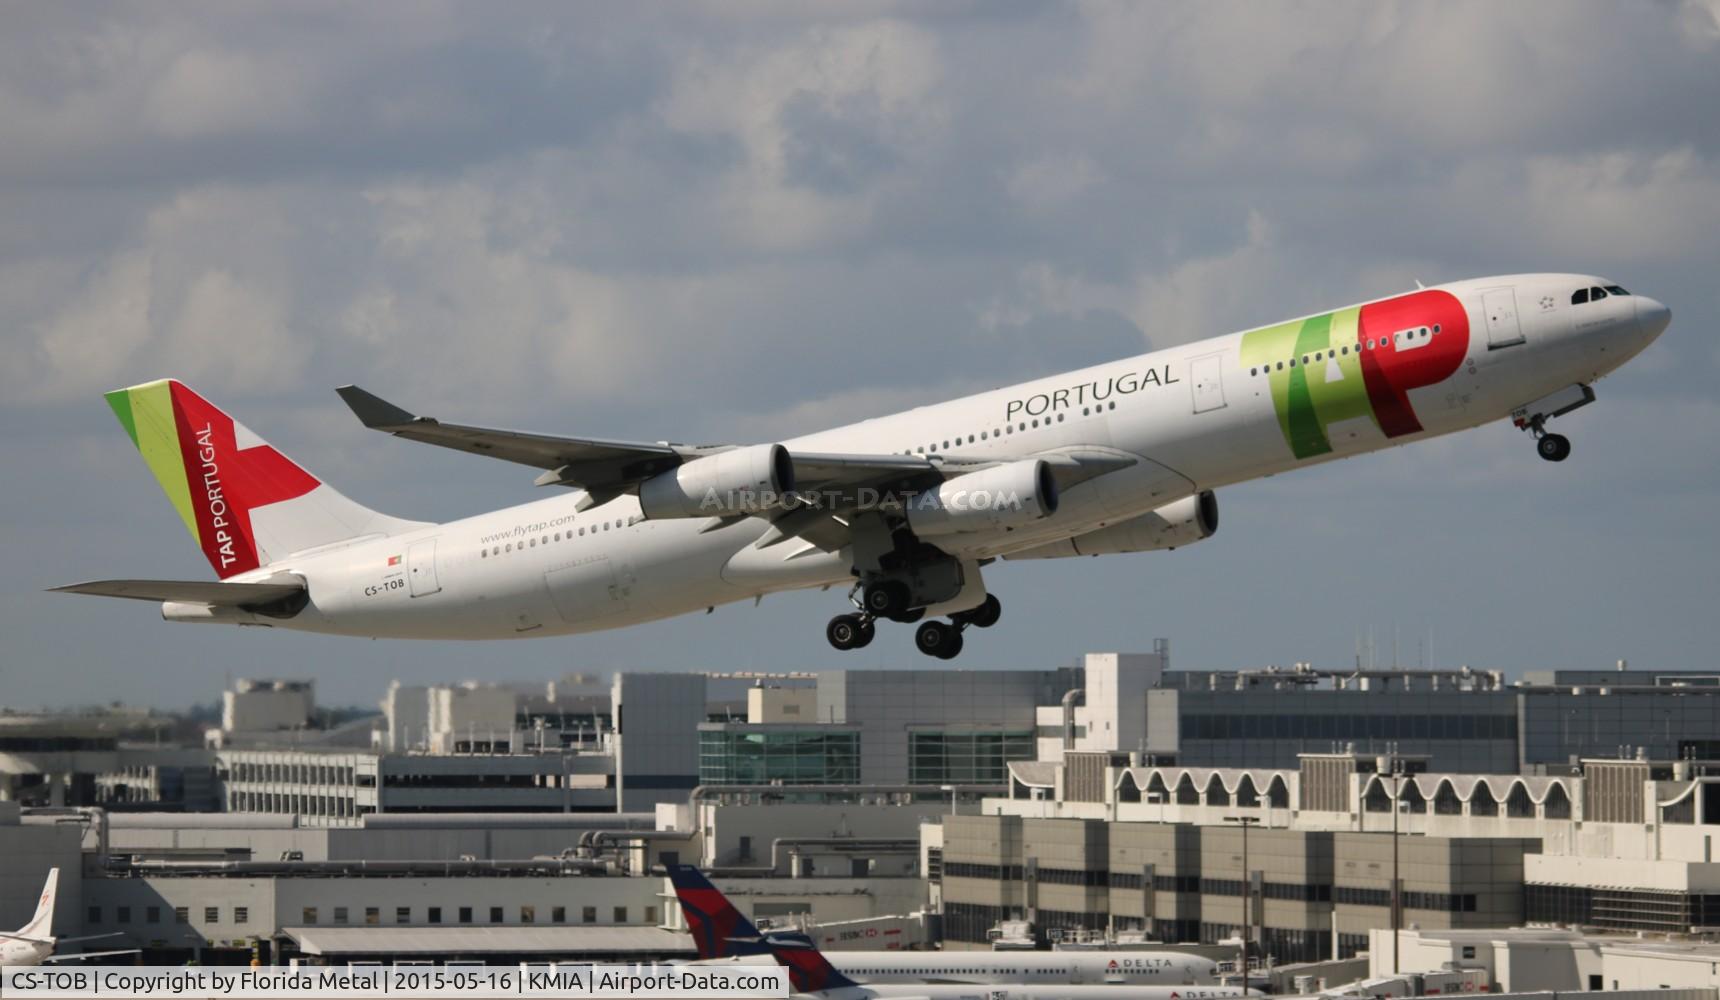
[1175, 524]
[739, 481]
[1006, 496]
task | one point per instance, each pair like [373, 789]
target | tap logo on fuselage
[1359, 362]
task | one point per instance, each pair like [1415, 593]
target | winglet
[373, 411]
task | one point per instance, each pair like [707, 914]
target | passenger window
[1579, 296]
[1292, 362]
[1597, 293]
[1253, 372]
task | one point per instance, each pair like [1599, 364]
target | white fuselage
[1023, 968]
[1028, 991]
[1191, 418]
[16, 953]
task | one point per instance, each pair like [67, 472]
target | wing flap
[219, 595]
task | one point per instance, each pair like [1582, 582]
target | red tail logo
[228, 482]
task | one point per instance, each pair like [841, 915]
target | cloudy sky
[741, 221]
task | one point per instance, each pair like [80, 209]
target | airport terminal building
[1110, 796]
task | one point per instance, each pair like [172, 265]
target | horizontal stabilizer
[220, 595]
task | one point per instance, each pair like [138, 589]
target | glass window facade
[765, 755]
[966, 758]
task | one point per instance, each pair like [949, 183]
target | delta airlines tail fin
[41, 926]
[721, 931]
[245, 504]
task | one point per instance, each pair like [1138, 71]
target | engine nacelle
[1175, 524]
[1007, 496]
[739, 481]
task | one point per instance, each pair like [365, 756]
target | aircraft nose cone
[1652, 316]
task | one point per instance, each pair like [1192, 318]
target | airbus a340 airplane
[908, 508]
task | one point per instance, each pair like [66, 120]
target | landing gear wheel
[886, 599]
[910, 617]
[1553, 447]
[846, 631]
[987, 614]
[935, 638]
[867, 631]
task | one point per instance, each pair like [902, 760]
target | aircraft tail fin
[245, 504]
[41, 926]
[721, 931]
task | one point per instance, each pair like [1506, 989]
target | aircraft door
[1504, 329]
[421, 568]
[1206, 376]
[590, 590]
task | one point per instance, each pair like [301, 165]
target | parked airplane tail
[41, 926]
[721, 931]
[245, 504]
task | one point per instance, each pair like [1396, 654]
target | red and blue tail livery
[722, 931]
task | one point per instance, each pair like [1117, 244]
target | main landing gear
[934, 638]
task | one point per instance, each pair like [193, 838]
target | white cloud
[212, 92]
[88, 344]
[863, 88]
[1641, 206]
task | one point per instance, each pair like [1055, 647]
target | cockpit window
[1579, 297]
[1616, 290]
[1597, 293]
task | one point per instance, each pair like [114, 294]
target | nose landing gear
[1533, 418]
[1553, 447]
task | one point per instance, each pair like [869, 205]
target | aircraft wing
[591, 463]
[833, 485]
[234, 595]
[80, 956]
[609, 468]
